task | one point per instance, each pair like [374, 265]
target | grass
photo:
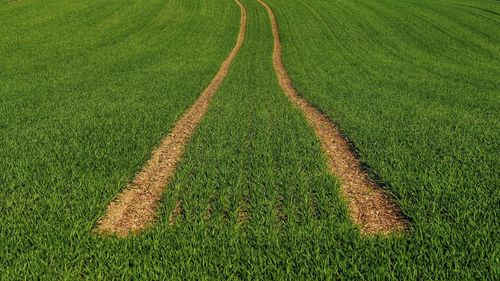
[87, 89]
[413, 84]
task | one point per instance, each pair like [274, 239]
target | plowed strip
[135, 207]
[369, 206]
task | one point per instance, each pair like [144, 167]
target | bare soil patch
[243, 211]
[369, 206]
[176, 213]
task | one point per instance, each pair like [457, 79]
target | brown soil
[135, 207]
[176, 212]
[313, 205]
[207, 214]
[369, 206]
[279, 209]
[243, 214]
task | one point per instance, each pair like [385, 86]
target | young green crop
[415, 85]
[89, 88]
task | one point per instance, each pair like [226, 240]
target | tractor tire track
[369, 206]
[135, 207]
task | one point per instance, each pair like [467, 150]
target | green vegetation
[89, 87]
[415, 85]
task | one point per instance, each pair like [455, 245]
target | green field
[89, 88]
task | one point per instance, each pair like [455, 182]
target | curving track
[369, 206]
[135, 207]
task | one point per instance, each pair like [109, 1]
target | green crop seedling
[88, 89]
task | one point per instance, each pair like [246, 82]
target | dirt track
[369, 206]
[135, 207]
